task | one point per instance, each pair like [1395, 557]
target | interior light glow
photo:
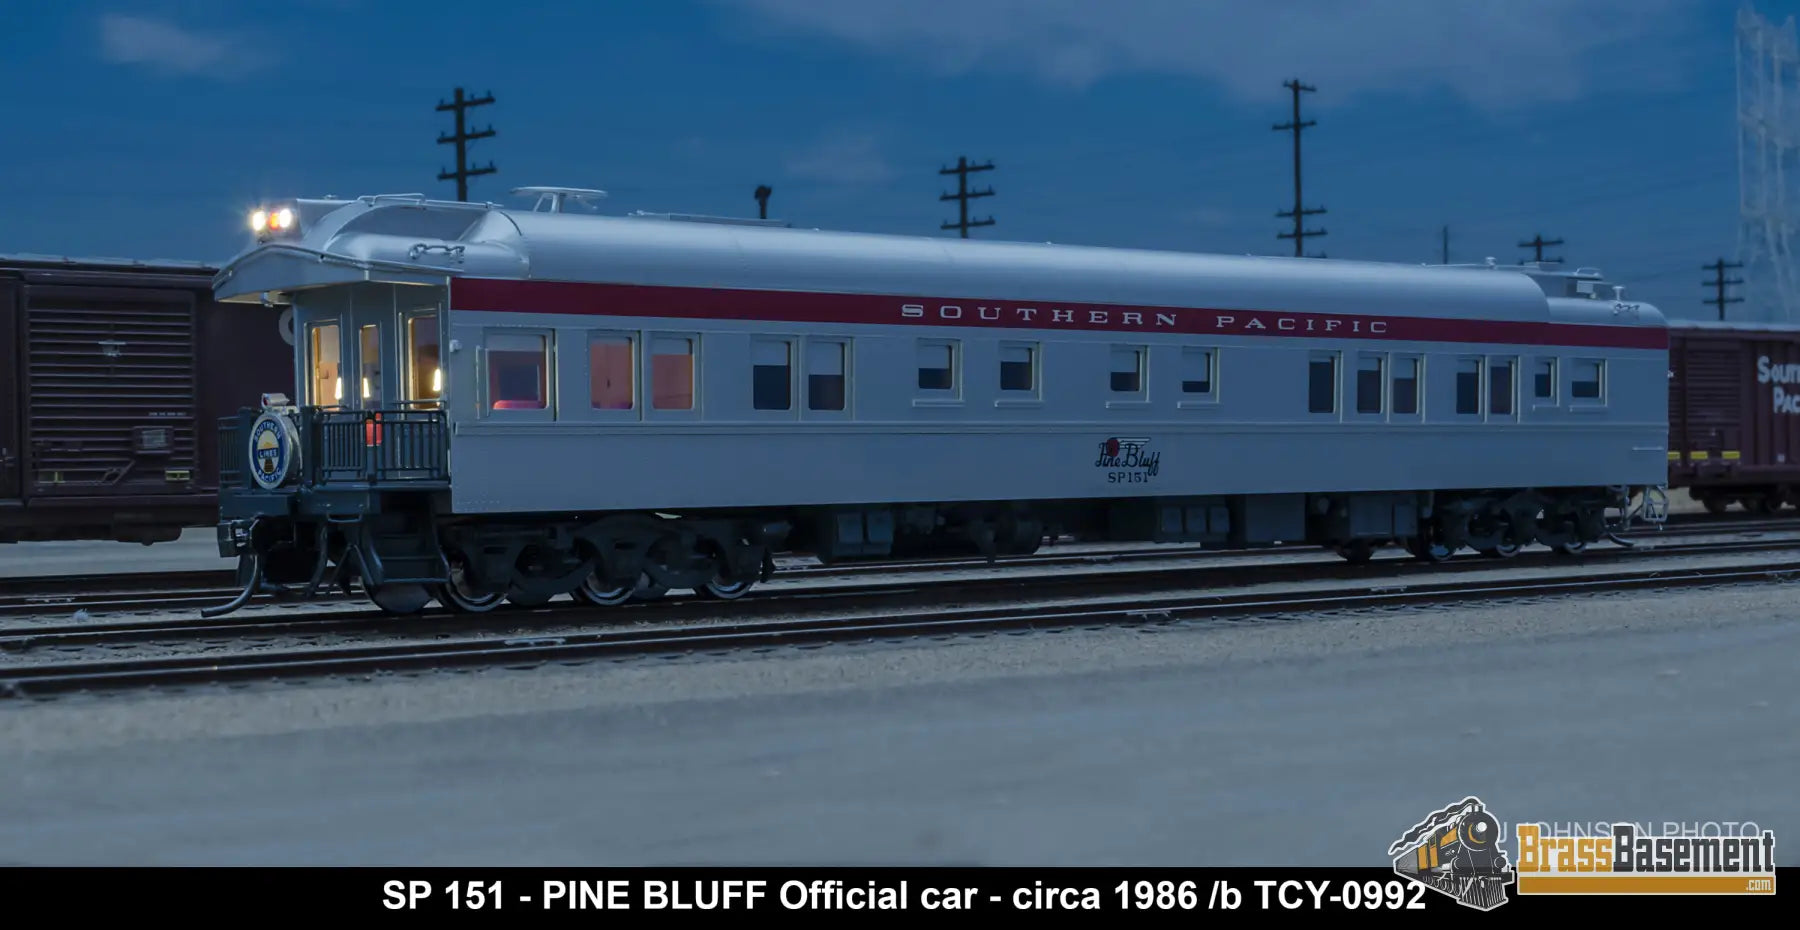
[365, 388]
[337, 391]
[437, 380]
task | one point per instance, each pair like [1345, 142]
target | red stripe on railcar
[699, 303]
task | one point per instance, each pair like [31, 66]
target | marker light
[264, 222]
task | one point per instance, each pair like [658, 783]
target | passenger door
[10, 463]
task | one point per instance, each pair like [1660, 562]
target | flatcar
[1734, 414]
[113, 375]
[503, 405]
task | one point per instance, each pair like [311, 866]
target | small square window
[672, 373]
[1406, 385]
[1468, 385]
[1197, 371]
[611, 364]
[1321, 383]
[518, 371]
[1127, 370]
[1544, 379]
[1500, 387]
[937, 361]
[1368, 384]
[1018, 368]
[772, 375]
[825, 375]
[1588, 379]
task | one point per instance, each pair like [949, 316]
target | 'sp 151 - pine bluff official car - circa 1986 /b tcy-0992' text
[508, 405]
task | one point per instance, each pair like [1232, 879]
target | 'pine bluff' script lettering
[1128, 461]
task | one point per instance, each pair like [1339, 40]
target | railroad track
[146, 591]
[890, 592]
[519, 652]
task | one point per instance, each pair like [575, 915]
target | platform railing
[374, 446]
[348, 447]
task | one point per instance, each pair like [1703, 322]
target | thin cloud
[1208, 216]
[1493, 54]
[159, 45]
[843, 158]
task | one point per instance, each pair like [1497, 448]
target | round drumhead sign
[273, 450]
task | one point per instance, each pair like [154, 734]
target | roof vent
[552, 199]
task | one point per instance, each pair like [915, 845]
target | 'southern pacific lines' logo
[271, 450]
[1456, 851]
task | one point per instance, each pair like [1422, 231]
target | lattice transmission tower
[1768, 93]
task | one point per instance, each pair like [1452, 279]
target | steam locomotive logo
[271, 450]
[1456, 851]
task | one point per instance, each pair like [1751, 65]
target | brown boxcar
[113, 376]
[1734, 414]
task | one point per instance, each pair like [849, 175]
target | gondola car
[508, 405]
[112, 372]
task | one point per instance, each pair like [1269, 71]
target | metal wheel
[1508, 546]
[724, 591]
[1715, 505]
[1357, 551]
[1569, 548]
[605, 594]
[457, 596]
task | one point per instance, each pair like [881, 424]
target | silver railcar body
[587, 366]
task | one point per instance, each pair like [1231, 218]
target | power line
[762, 200]
[460, 105]
[1538, 242]
[1299, 213]
[963, 195]
[1719, 281]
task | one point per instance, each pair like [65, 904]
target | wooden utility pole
[1719, 281]
[460, 105]
[963, 195]
[1539, 242]
[1299, 213]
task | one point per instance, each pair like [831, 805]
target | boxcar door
[11, 460]
[110, 386]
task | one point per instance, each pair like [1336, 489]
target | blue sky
[148, 129]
